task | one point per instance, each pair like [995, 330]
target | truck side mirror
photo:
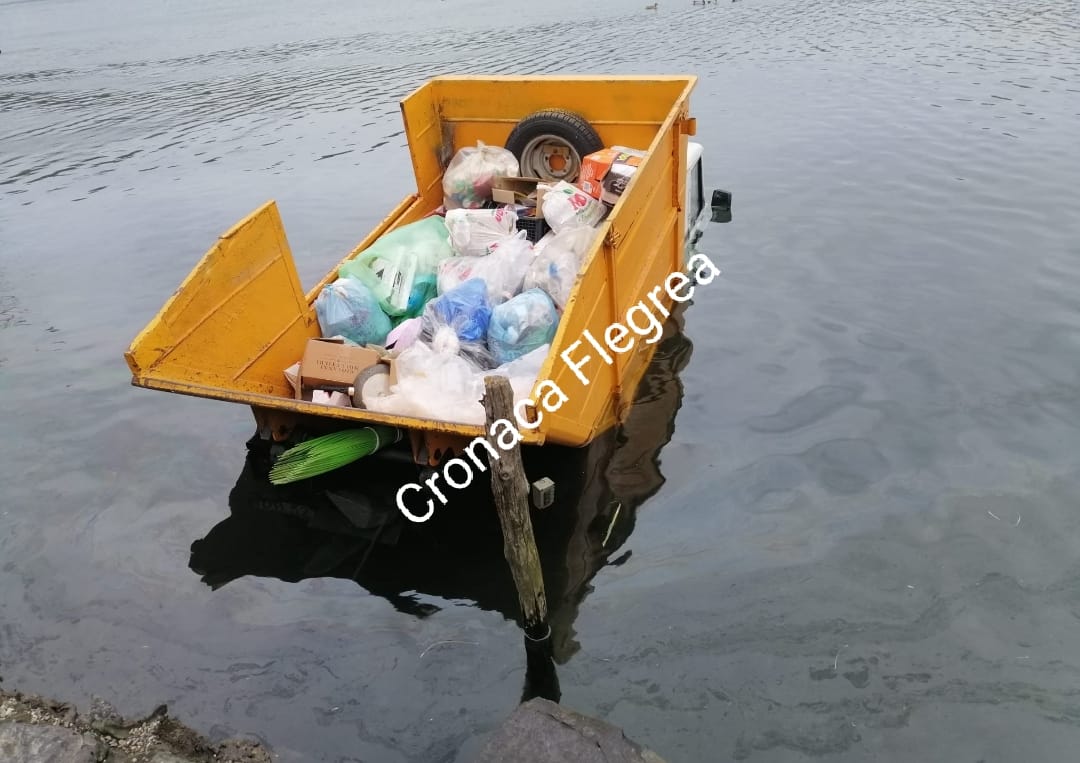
[721, 206]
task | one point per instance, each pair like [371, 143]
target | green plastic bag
[400, 267]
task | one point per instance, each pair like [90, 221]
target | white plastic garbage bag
[556, 267]
[524, 371]
[566, 206]
[503, 270]
[472, 231]
[468, 178]
[446, 387]
[540, 245]
[433, 385]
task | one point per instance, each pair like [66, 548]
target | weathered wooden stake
[511, 492]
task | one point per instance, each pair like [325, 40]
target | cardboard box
[606, 173]
[392, 363]
[518, 191]
[332, 363]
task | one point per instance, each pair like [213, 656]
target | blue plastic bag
[456, 323]
[348, 308]
[521, 324]
[465, 309]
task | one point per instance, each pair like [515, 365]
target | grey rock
[26, 743]
[105, 719]
[242, 751]
[102, 711]
[168, 757]
[540, 731]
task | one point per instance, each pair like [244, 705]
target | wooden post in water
[511, 492]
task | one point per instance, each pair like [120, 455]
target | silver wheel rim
[538, 155]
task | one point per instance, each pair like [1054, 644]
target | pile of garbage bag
[458, 295]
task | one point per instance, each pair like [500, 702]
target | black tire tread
[568, 125]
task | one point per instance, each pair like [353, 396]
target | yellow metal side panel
[643, 256]
[589, 410]
[356, 416]
[625, 98]
[651, 219]
[638, 279]
[663, 172]
[643, 243]
[428, 144]
[236, 320]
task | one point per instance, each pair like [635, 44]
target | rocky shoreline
[37, 730]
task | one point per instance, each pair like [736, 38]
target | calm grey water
[866, 544]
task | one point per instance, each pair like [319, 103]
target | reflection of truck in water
[329, 526]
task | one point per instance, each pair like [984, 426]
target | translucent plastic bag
[434, 385]
[400, 266]
[468, 177]
[503, 270]
[457, 322]
[347, 308]
[556, 267]
[540, 245]
[566, 206]
[473, 230]
[465, 309]
[521, 324]
[523, 371]
[404, 334]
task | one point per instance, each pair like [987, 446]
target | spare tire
[550, 144]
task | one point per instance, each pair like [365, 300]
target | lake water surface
[862, 541]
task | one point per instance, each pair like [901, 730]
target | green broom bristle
[329, 452]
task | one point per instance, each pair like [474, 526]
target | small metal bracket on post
[542, 493]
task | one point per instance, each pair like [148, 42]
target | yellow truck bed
[241, 317]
